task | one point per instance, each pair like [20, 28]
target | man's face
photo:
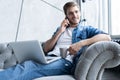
[73, 15]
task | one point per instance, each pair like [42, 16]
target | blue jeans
[30, 70]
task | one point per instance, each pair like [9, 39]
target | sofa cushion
[60, 77]
[7, 57]
[5, 53]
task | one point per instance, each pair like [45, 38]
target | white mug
[63, 52]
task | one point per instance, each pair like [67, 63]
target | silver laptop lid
[28, 50]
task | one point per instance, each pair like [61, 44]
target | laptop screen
[28, 50]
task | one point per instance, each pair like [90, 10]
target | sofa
[100, 61]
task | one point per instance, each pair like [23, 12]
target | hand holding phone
[65, 23]
[68, 23]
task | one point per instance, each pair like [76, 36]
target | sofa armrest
[97, 57]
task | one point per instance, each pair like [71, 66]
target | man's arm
[49, 45]
[74, 48]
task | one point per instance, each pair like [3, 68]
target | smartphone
[68, 20]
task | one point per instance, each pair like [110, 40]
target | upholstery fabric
[100, 55]
[7, 57]
[91, 65]
[61, 77]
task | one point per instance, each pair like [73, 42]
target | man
[71, 35]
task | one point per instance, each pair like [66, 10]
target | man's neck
[73, 25]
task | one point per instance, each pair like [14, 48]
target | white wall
[38, 20]
[9, 10]
[96, 13]
[89, 11]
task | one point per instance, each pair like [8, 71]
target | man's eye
[76, 11]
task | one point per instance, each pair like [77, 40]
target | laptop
[30, 50]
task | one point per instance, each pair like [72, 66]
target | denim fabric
[84, 32]
[30, 70]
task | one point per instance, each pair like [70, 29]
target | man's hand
[74, 48]
[64, 24]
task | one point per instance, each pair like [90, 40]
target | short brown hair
[68, 5]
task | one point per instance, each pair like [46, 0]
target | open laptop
[30, 50]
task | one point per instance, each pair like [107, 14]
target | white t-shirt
[64, 41]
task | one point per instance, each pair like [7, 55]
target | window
[103, 14]
[115, 17]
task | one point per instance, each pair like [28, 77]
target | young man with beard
[70, 34]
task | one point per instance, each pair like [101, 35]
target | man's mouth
[75, 19]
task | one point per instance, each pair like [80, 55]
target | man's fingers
[72, 51]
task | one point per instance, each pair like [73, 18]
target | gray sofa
[100, 61]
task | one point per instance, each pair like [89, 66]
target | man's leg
[30, 70]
